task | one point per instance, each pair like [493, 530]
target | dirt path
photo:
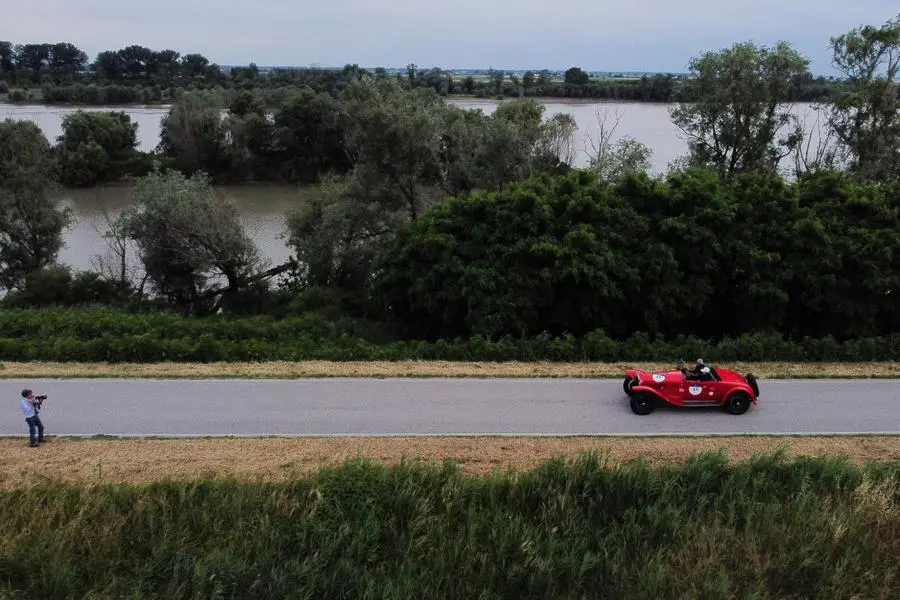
[288, 370]
[85, 461]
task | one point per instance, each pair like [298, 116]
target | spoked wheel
[642, 404]
[737, 403]
[627, 385]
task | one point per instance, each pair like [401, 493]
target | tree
[67, 59]
[549, 254]
[7, 60]
[31, 225]
[735, 109]
[557, 141]
[866, 116]
[845, 257]
[575, 76]
[193, 133]
[309, 131]
[95, 146]
[393, 139]
[191, 241]
[611, 161]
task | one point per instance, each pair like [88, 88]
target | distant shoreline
[450, 98]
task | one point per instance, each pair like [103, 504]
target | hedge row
[119, 336]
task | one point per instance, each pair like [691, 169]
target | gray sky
[618, 35]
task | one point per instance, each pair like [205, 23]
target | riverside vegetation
[443, 233]
[60, 73]
[762, 528]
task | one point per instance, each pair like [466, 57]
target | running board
[701, 403]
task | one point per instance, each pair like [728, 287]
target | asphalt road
[123, 407]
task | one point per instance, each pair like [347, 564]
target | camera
[38, 401]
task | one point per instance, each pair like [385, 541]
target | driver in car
[700, 372]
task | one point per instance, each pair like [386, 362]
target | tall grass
[767, 528]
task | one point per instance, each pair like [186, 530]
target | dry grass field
[288, 370]
[107, 460]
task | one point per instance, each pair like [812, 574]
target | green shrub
[118, 335]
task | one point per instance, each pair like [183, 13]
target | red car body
[722, 387]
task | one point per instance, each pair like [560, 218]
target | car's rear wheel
[627, 385]
[642, 403]
[737, 403]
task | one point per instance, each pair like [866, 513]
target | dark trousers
[34, 424]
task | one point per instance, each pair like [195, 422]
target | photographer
[31, 405]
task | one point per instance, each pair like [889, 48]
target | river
[263, 207]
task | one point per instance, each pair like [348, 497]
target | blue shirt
[27, 408]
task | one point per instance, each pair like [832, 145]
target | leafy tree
[866, 116]
[193, 134]
[610, 161]
[251, 135]
[735, 107]
[393, 140]
[309, 132]
[95, 146]
[191, 241]
[547, 255]
[575, 76]
[845, 258]
[31, 225]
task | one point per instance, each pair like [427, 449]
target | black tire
[642, 404]
[738, 403]
[627, 385]
[751, 381]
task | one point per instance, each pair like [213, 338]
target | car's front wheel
[737, 403]
[627, 385]
[642, 403]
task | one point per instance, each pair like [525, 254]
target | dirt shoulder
[291, 370]
[87, 461]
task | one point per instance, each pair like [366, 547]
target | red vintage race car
[719, 387]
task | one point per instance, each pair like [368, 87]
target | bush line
[116, 335]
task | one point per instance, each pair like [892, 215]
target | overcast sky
[618, 35]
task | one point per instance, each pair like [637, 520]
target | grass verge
[764, 528]
[290, 370]
[141, 461]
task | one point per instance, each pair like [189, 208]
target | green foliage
[737, 108]
[188, 237]
[96, 147]
[59, 286]
[193, 134]
[117, 335]
[766, 528]
[865, 116]
[690, 254]
[31, 225]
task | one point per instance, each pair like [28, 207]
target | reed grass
[581, 528]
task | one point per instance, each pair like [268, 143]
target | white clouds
[616, 34]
